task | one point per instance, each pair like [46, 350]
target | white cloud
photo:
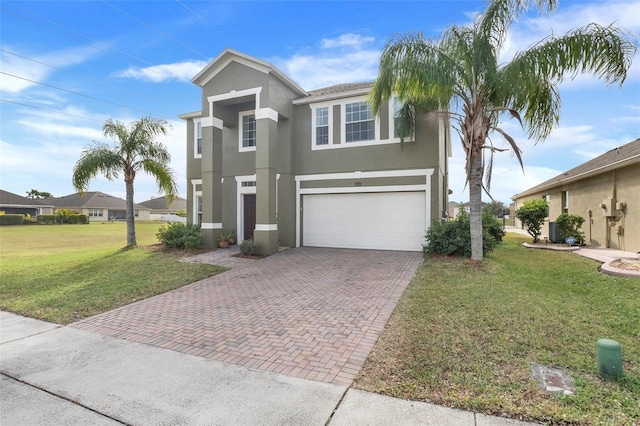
[351, 40]
[343, 59]
[35, 71]
[181, 71]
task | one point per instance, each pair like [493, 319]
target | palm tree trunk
[475, 201]
[131, 227]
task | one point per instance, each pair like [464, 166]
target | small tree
[569, 226]
[496, 208]
[38, 195]
[532, 215]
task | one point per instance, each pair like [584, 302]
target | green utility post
[609, 359]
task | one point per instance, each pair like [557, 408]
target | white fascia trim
[266, 113]
[245, 178]
[206, 225]
[195, 182]
[268, 227]
[188, 115]
[331, 96]
[362, 189]
[237, 94]
[365, 175]
[212, 122]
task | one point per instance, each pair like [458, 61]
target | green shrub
[453, 238]
[569, 226]
[492, 225]
[46, 219]
[26, 219]
[532, 215]
[11, 219]
[76, 219]
[250, 248]
[181, 236]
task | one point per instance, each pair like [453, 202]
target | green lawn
[465, 336]
[63, 273]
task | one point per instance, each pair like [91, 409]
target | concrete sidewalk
[51, 373]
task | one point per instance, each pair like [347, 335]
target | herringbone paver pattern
[312, 313]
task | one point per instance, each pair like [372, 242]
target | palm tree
[135, 149]
[459, 76]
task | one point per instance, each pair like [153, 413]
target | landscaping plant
[453, 238]
[532, 214]
[569, 226]
[181, 236]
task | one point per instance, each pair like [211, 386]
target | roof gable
[9, 198]
[617, 157]
[229, 55]
[89, 200]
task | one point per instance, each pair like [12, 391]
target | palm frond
[99, 158]
[163, 176]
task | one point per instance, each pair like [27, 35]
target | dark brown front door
[249, 215]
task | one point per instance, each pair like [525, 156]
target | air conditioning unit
[554, 233]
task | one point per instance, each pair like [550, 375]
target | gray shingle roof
[9, 198]
[92, 200]
[340, 88]
[160, 203]
[622, 156]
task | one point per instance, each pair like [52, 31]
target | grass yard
[465, 336]
[63, 273]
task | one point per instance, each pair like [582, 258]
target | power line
[73, 92]
[189, 9]
[69, 114]
[86, 77]
[67, 29]
[133, 18]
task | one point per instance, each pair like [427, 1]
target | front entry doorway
[249, 215]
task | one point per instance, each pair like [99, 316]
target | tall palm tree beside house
[459, 75]
[135, 150]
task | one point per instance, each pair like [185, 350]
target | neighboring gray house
[160, 205]
[162, 209]
[98, 206]
[290, 167]
[11, 203]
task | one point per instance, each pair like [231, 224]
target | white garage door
[382, 220]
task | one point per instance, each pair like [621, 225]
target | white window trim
[392, 126]
[240, 116]
[343, 114]
[196, 194]
[314, 108]
[195, 138]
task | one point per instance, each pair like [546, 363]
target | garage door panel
[387, 221]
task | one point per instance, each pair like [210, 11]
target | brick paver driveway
[312, 313]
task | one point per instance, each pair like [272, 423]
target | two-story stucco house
[289, 167]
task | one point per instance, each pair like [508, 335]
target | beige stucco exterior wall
[607, 225]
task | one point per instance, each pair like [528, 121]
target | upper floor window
[198, 139]
[359, 122]
[247, 131]
[322, 126]
[397, 106]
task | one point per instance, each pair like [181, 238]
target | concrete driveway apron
[312, 313]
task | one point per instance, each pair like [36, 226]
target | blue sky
[67, 66]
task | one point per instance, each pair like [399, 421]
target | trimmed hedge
[11, 219]
[72, 219]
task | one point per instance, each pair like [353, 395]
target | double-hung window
[198, 139]
[247, 131]
[322, 126]
[359, 122]
[198, 212]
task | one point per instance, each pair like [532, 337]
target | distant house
[161, 209]
[605, 191]
[160, 205]
[11, 203]
[99, 206]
